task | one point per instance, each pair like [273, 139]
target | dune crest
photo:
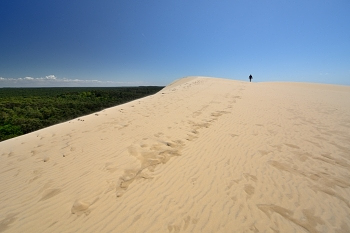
[202, 155]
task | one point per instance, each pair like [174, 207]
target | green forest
[24, 110]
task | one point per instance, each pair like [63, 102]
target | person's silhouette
[250, 78]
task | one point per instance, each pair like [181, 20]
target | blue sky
[113, 43]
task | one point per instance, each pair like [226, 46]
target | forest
[24, 110]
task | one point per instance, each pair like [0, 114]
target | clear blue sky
[89, 42]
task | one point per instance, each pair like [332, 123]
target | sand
[202, 155]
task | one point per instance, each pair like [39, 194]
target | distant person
[250, 78]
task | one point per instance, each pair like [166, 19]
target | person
[250, 78]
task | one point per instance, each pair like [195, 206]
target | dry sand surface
[202, 155]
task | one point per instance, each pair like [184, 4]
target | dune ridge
[202, 155]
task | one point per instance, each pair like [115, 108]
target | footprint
[48, 193]
[264, 152]
[292, 146]
[34, 152]
[191, 137]
[149, 156]
[250, 177]
[36, 175]
[250, 190]
[80, 207]
[159, 134]
[187, 222]
[125, 180]
[6, 222]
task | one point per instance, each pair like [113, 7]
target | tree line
[24, 110]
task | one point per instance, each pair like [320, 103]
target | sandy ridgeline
[202, 155]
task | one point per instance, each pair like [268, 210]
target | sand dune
[202, 155]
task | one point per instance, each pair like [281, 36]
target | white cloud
[53, 81]
[51, 77]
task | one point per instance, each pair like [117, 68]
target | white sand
[202, 155]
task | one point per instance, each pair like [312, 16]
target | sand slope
[202, 155]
